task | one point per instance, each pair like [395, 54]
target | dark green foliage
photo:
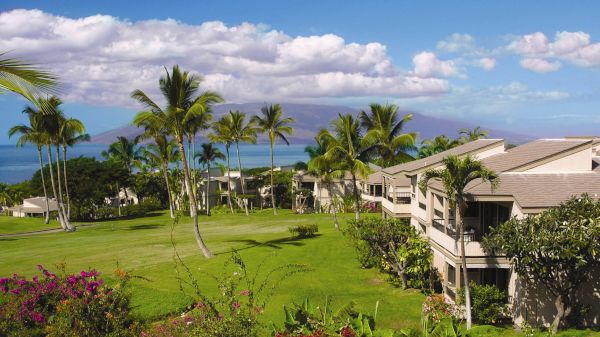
[151, 185]
[557, 249]
[304, 231]
[396, 247]
[90, 182]
[487, 303]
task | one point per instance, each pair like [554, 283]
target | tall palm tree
[34, 134]
[467, 135]
[71, 132]
[393, 146]
[126, 152]
[455, 176]
[276, 127]
[51, 117]
[208, 155]
[438, 144]
[242, 132]
[160, 154]
[326, 170]
[25, 79]
[180, 90]
[352, 149]
[222, 133]
[194, 125]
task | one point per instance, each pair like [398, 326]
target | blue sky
[532, 67]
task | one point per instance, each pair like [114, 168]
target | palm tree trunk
[228, 180]
[207, 188]
[187, 169]
[47, 215]
[66, 183]
[166, 176]
[192, 198]
[61, 205]
[244, 200]
[335, 220]
[119, 198]
[272, 187]
[356, 198]
[463, 259]
[50, 166]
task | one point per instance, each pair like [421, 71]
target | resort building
[533, 177]
[33, 207]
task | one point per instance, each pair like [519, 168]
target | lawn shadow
[274, 244]
[147, 226]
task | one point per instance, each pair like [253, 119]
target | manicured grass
[11, 225]
[143, 247]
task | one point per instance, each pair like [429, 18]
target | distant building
[33, 207]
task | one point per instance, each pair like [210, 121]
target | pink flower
[236, 305]
[245, 292]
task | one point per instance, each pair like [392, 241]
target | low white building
[33, 207]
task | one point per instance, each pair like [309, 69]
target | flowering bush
[67, 305]
[234, 312]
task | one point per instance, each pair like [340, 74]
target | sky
[528, 66]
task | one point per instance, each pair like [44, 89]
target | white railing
[472, 248]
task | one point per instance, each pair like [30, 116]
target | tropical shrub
[305, 320]
[234, 312]
[304, 231]
[438, 318]
[66, 305]
[395, 247]
[487, 303]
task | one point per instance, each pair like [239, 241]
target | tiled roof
[528, 153]
[470, 147]
[541, 190]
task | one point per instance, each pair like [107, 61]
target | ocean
[18, 164]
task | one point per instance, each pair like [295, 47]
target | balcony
[436, 234]
[396, 206]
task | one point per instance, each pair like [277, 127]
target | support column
[458, 271]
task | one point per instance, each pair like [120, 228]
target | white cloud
[540, 65]
[428, 65]
[486, 63]
[542, 55]
[457, 43]
[101, 59]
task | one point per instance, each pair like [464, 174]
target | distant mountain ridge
[312, 117]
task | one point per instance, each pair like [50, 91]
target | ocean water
[18, 164]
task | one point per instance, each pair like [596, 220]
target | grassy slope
[10, 225]
[143, 246]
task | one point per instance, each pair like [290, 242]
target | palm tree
[71, 132]
[180, 90]
[455, 176]
[51, 117]
[126, 152]
[276, 127]
[467, 135]
[223, 133]
[325, 170]
[160, 154]
[242, 132]
[208, 155]
[199, 122]
[25, 79]
[393, 146]
[439, 144]
[351, 149]
[34, 134]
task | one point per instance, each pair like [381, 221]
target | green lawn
[11, 225]
[143, 247]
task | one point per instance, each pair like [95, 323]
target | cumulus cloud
[101, 59]
[486, 63]
[540, 65]
[457, 43]
[427, 64]
[543, 55]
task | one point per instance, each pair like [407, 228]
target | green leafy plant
[304, 231]
[488, 303]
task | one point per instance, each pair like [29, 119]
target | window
[472, 210]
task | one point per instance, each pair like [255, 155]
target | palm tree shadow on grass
[274, 244]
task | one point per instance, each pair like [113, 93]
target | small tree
[395, 245]
[557, 248]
